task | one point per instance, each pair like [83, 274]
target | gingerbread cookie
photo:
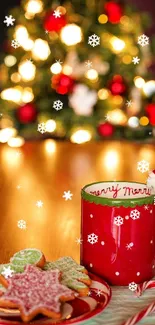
[35, 292]
[74, 275]
[28, 256]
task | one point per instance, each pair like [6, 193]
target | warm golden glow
[12, 94]
[50, 146]
[27, 70]
[144, 120]
[56, 68]
[50, 126]
[41, 50]
[111, 159]
[117, 117]
[28, 45]
[81, 136]
[103, 93]
[34, 7]
[139, 82]
[92, 74]
[21, 34]
[27, 95]
[6, 134]
[71, 34]
[149, 88]
[103, 19]
[10, 60]
[117, 44]
[16, 142]
[127, 59]
[133, 122]
[15, 77]
[67, 69]
[117, 100]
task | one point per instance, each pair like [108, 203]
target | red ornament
[62, 83]
[150, 109]
[114, 12]
[117, 85]
[51, 23]
[27, 113]
[106, 129]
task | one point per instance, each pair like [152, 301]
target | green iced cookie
[28, 256]
[73, 274]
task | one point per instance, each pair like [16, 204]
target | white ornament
[91, 265]
[117, 273]
[9, 20]
[151, 182]
[21, 224]
[94, 40]
[138, 273]
[57, 105]
[133, 286]
[91, 215]
[134, 214]
[136, 60]
[118, 221]
[67, 195]
[92, 239]
[143, 166]
[82, 100]
[102, 243]
[143, 40]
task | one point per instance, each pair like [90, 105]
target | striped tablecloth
[123, 305]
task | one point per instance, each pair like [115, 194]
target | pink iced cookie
[35, 292]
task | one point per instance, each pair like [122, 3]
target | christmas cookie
[28, 256]
[151, 181]
[35, 292]
[74, 275]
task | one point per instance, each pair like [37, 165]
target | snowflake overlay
[143, 166]
[57, 13]
[129, 246]
[42, 127]
[94, 40]
[88, 64]
[129, 103]
[136, 60]
[118, 221]
[134, 214]
[7, 272]
[79, 241]
[143, 40]
[9, 20]
[67, 195]
[133, 286]
[39, 204]
[57, 105]
[15, 44]
[92, 239]
[21, 224]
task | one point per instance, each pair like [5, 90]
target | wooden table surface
[43, 171]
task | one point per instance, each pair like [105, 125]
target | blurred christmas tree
[77, 70]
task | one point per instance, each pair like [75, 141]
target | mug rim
[130, 202]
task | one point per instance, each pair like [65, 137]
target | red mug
[118, 231]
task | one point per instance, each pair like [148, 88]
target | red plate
[73, 312]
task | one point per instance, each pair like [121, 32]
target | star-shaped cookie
[35, 292]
